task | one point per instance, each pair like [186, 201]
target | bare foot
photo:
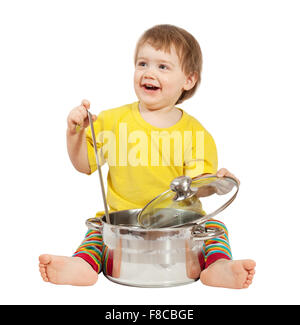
[229, 274]
[66, 270]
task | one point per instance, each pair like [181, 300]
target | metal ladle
[99, 167]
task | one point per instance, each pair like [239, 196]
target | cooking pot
[142, 257]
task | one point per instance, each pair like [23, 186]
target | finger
[77, 119]
[82, 108]
[232, 176]
[74, 127]
[83, 112]
[222, 172]
[238, 181]
[85, 103]
[94, 117]
[72, 122]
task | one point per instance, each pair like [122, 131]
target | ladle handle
[99, 167]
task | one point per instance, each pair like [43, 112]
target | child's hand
[78, 117]
[224, 188]
[220, 189]
[224, 172]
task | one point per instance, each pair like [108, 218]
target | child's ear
[191, 81]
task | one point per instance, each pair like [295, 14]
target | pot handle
[94, 224]
[199, 232]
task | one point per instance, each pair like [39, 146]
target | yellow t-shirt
[144, 159]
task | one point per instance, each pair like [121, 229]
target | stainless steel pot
[151, 257]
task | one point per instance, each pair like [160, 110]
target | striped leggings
[93, 251]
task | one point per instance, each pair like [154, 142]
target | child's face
[162, 71]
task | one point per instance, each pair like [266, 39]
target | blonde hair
[163, 37]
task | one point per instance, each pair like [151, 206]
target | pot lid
[206, 195]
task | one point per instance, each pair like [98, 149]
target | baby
[168, 63]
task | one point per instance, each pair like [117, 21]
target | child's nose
[149, 72]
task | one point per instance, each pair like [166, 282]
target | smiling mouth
[150, 87]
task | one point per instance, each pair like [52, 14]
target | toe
[45, 259]
[249, 265]
[250, 277]
[44, 275]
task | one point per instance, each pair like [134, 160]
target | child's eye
[163, 67]
[141, 64]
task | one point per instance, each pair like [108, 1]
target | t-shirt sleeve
[98, 127]
[203, 157]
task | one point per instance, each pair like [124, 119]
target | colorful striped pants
[93, 251]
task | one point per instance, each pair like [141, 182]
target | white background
[55, 53]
